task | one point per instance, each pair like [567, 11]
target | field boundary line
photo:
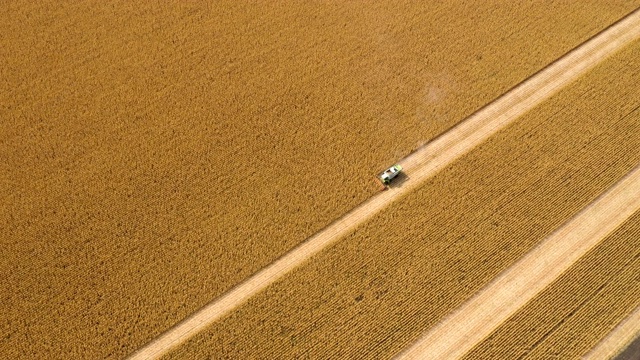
[619, 338]
[511, 290]
[419, 166]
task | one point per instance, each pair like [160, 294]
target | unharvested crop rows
[569, 317]
[378, 290]
[153, 156]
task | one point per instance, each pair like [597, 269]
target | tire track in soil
[418, 167]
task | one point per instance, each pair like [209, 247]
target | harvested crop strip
[374, 293]
[569, 317]
[152, 156]
[420, 166]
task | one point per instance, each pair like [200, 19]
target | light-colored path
[419, 166]
[482, 314]
[618, 339]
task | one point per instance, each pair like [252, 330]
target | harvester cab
[386, 176]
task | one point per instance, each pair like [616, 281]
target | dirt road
[419, 166]
[477, 318]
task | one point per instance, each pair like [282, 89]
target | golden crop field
[577, 310]
[153, 155]
[374, 293]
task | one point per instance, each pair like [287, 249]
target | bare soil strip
[618, 339]
[475, 320]
[419, 166]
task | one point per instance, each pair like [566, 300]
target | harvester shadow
[399, 180]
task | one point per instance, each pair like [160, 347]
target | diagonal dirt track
[477, 318]
[620, 337]
[419, 166]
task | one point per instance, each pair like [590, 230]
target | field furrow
[396, 276]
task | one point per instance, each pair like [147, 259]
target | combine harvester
[388, 175]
